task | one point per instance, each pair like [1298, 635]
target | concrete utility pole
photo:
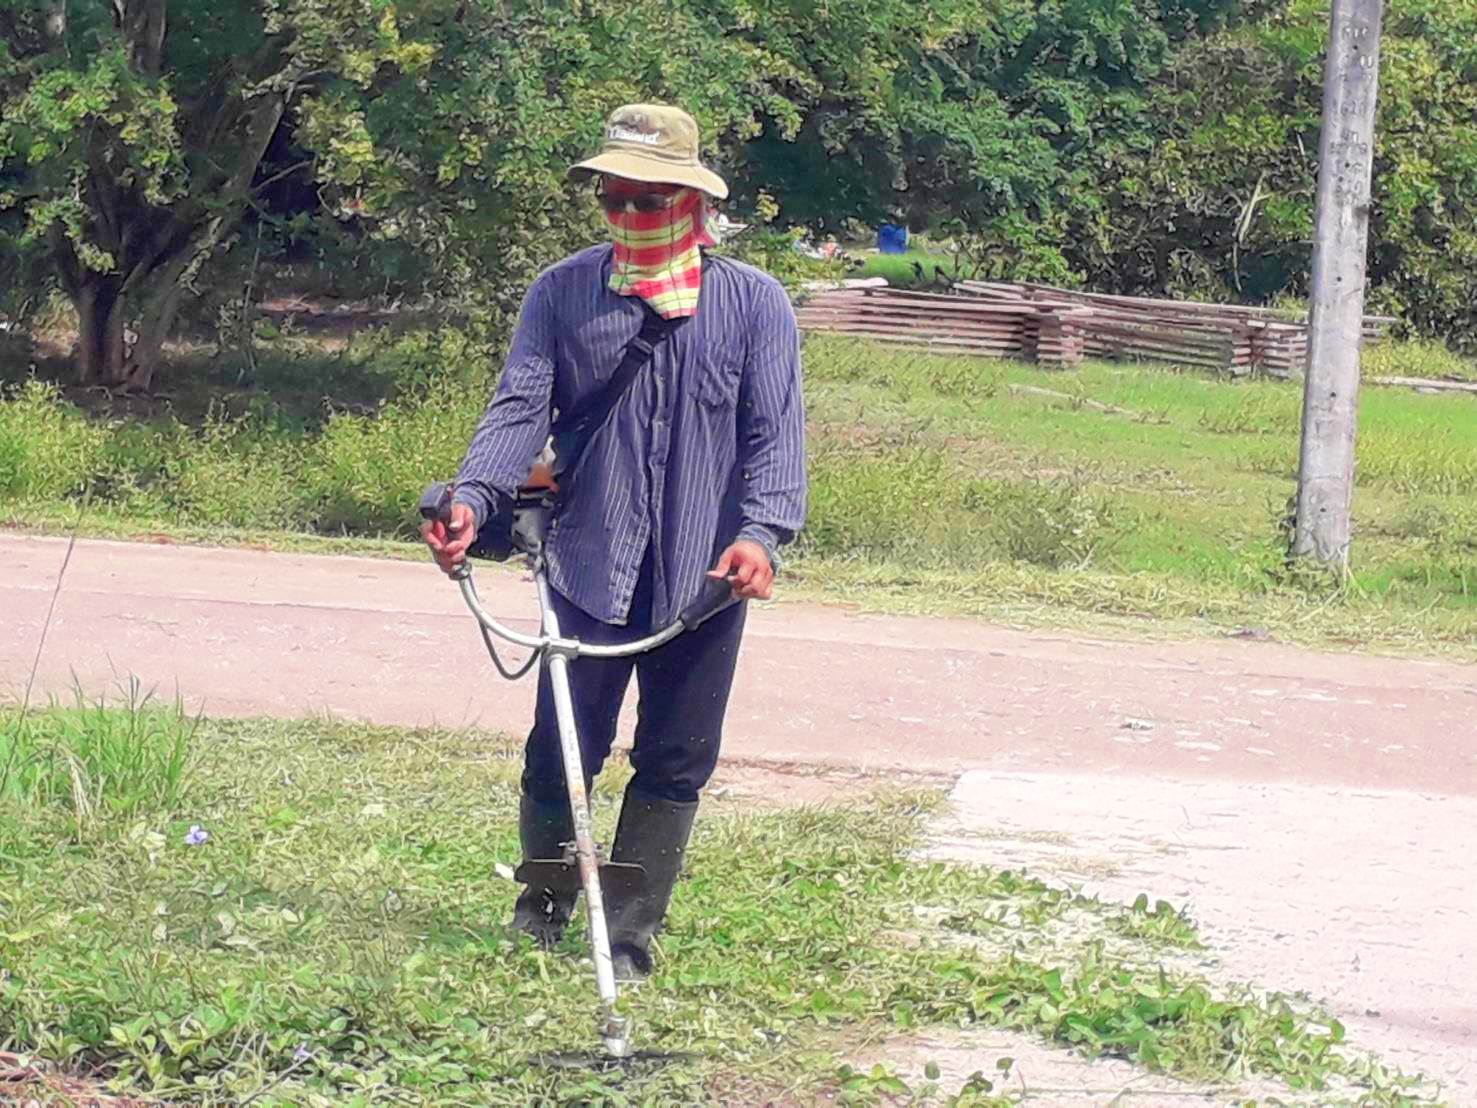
[1331, 387]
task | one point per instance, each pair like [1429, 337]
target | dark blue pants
[682, 695]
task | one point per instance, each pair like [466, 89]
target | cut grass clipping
[311, 913]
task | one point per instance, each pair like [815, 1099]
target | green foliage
[47, 447]
[131, 153]
[94, 762]
[1221, 204]
[1158, 145]
[131, 145]
[232, 469]
[340, 937]
[367, 472]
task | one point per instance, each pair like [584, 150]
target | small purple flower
[196, 835]
[302, 1053]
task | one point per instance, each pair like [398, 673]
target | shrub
[48, 449]
[366, 473]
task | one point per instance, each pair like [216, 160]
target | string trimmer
[581, 867]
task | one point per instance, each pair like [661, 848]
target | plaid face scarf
[658, 232]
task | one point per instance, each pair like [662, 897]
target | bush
[245, 472]
[913, 506]
[48, 449]
[366, 473]
[1053, 523]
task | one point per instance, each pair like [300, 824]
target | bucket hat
[655, 144]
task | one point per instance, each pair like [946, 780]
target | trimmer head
[560, 877]
[595, 1062]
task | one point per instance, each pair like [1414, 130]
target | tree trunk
[153, 329]
[156, 266]
[101, 314]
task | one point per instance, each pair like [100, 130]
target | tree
[138, 137]
[993, 119]
[1222, 203]
[133, 132]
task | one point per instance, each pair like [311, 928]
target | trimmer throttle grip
[712, 598]
[436, 503]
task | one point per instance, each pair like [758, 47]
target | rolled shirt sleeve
[516, 424]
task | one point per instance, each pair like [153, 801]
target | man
[699, 469]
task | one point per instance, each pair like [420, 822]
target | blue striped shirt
[707, 446]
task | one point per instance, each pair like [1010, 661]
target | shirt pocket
[718, 375]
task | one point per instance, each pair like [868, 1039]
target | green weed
[365, 473]
[919, 506]
[315, 917]
[232, 469]
[904, 374]
[1416, 358]
[1441, 460]
[1256, 412]
[48, 449]
[1163, 923]
[93, 762]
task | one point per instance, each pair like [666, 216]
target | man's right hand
[449, 541]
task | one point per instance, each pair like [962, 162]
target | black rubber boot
[653, 833]
[544, 829]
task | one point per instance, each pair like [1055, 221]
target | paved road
[1318, 812]
[245, 632]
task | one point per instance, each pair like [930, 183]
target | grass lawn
[1172, 506]
[938, 484]
[310, 913]
[898, 268]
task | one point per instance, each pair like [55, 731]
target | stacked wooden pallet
[1055, 338]
[1228, 337]
[924, 319]
[1063, 326]
[1281, 349]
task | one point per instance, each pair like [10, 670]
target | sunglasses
[646, 202]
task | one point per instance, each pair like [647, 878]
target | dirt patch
[28, 1084]
[791, 785]
[1353, 901]
[1022, 1067]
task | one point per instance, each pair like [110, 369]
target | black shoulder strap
[572, 431]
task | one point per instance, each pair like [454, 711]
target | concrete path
[1364, 898]
[1317, 811]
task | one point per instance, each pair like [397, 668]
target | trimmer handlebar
[436, 503]
[712, 598]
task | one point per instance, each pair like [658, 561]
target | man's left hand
[748, 564]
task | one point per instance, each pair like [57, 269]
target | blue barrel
[892, 239]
